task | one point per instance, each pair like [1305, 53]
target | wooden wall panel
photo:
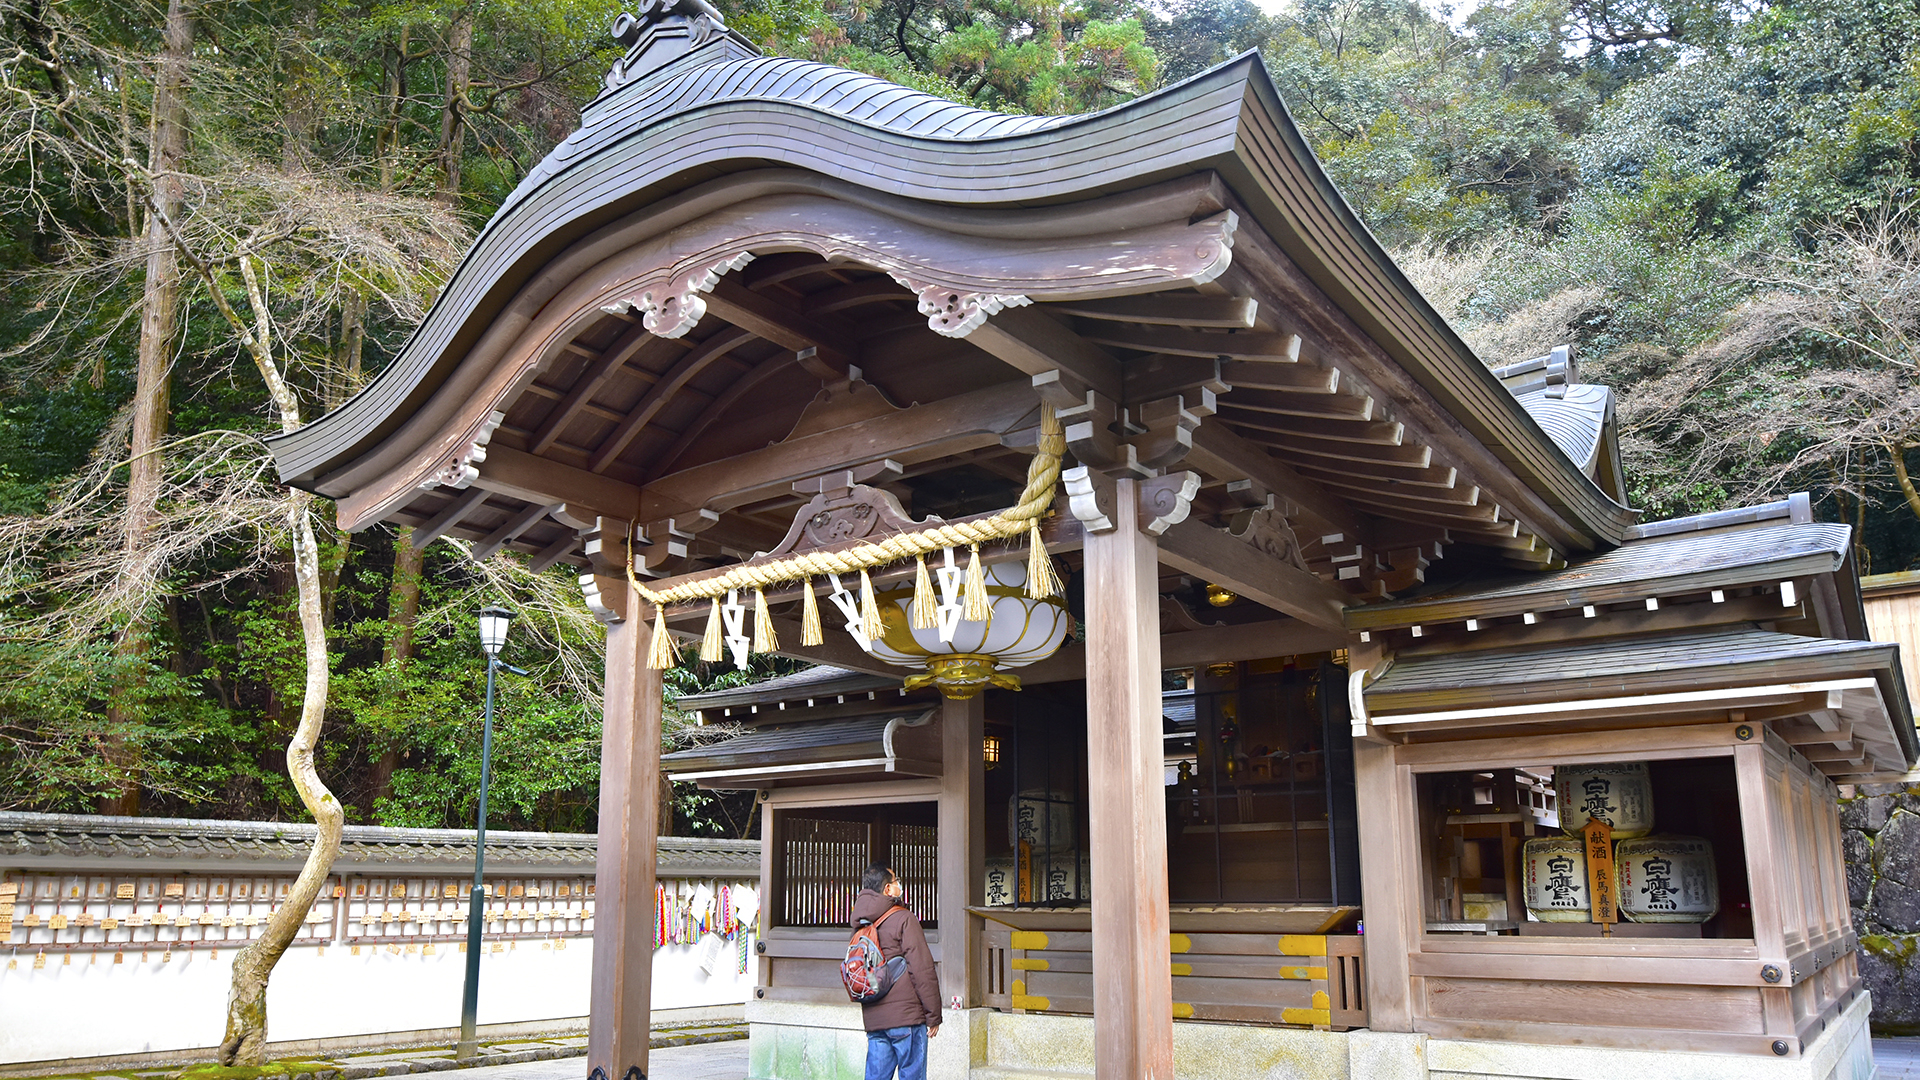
[1641, 1006]
[1896, 618]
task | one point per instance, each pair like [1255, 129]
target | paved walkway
[1896, 1059]
[706, 1061]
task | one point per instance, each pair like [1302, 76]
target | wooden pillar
[1390, 896]
[962, 858]
[1126, 791]
[619, 1027]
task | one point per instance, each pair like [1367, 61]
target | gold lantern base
[962, 675]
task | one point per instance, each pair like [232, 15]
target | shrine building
[1245, 679]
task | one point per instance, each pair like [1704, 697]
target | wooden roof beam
[766, 317]
[1034, 344]
[1214, 555]
[510, 530]
[1369, 432]
[1381, 455]
[1355, 468]
[464, 503]
[1356, 408]
[1169, 309]
[962, 422]
[1252, 344]
[544, 480]
[873, 290]
[718, 407]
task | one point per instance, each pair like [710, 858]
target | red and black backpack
[866, 971]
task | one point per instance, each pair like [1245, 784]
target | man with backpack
[901, 1007]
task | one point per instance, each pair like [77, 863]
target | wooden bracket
[1062, 389]
[1266, 529]
[606, 596]
[884, 470]
[1090, 496]
[606, 544]
[661, 548]
[1167, 500]
[1169, 424]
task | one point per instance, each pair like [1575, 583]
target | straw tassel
[661, 653]
[712, 649]
[924, 615]
[764, 639]
[1042, 580]
[977, 607]
[870, 626]
[810, 616]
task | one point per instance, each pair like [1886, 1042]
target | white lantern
[493, 628]
[1018, 631]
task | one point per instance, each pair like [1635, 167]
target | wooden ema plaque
[1597, 837]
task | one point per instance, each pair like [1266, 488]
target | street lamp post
[493, 635]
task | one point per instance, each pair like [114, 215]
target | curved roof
[718, 111]
[1574, 417]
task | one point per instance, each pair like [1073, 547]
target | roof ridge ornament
[659, 32]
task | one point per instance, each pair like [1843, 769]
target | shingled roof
[1660, 566]
[84, 841]
[658, 144]
[818, 681]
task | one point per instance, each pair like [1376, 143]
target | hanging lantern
[963, 656]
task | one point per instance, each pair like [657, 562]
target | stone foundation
[1881, 840]
[825, 1042]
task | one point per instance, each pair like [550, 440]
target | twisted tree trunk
[245, 1042]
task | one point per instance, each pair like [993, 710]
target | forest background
[1713, 201]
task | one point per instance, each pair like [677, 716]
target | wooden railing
[1306, 980]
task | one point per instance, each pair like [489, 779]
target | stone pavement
[1893, 1059]
[698, 1061]
[714, 1048]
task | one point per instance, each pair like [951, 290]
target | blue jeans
[902, 1048]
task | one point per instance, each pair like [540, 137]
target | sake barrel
[1668, 879]
[1619, 794]
[1556, 871]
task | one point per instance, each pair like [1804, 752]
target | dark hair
[876, 878]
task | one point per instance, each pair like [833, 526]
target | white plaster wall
[94, 1007]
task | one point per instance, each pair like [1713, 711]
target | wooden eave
[894, 743]
[1843, 703]
[664, 145]
[1666, 566]
[820, 683]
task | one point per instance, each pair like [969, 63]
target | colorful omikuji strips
[686, 920]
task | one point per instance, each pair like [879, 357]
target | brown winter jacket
[915, 999]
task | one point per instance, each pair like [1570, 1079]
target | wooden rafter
[704, 355]
[1169, 309]
[510, 530]
[718, 407]
[462, 504]
[624, 348]
[1255, 344]
[1310, 406]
